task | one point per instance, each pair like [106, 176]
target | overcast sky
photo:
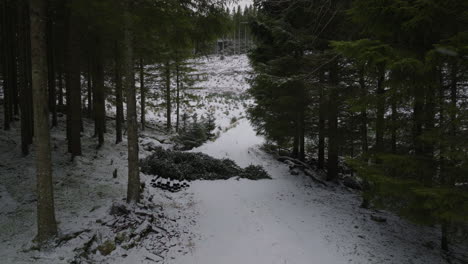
[242, 3]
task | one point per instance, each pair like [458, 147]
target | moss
[106, 248]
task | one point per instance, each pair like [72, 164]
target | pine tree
[46, 224]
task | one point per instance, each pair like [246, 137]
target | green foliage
[396, 184]
[196, 166]
[397, 72]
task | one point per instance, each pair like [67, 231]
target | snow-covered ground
[288, 219]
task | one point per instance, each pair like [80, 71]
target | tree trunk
[133, 189]
[418, 115]
[74, 86]
[168, 97]
[379, 126]
[295, 152]
[99, 100]
[177, 96]
[453, 106]
[301, 136]
[46, 224]
[321, 127]
[444, 243]
[118, 95]
[90, 89]
[60, 86]
[332, 166]
[7, 67]
[23, 77]
[364, 142]
[142, 95]
[51, 67]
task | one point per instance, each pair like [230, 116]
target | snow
[288, 219]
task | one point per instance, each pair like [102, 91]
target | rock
[352, 183]
[106, 248]
[378, 219]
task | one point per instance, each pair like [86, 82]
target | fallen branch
[68, 237]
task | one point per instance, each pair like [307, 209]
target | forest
[208, 131]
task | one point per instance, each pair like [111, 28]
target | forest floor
[288, 219]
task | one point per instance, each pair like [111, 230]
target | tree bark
[118, 95]
[23, 77]
[46, 224]
[453, 105]
[60, 86]
[379, 127]
[133, 189]
[301, 136]
[99, 100]
[168, 96]
[74, 86]
[7, 67]
[51, 66]
[177, 96]
[321, 127]
[142, 95]
[418, 116]
[295, 151]
[89, 84]
[332, 166]
[364, 142]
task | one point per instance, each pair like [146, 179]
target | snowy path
[254, 221]
[290, 219]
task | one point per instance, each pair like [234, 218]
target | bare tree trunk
[142, 95]
[295, 152]
[379, 127]
[99, 102]
[23, 77]
[168, 97]
[332, 166]
[7, 68]
[51, 67]
[118, 95]
[301, 136]
[46, 224]
[418, 114]
[90, 89]
[177, 97]
[60, 86]
[133, 189]
[321, 127]
[74, 87]
[364, 142]
[394, 125]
